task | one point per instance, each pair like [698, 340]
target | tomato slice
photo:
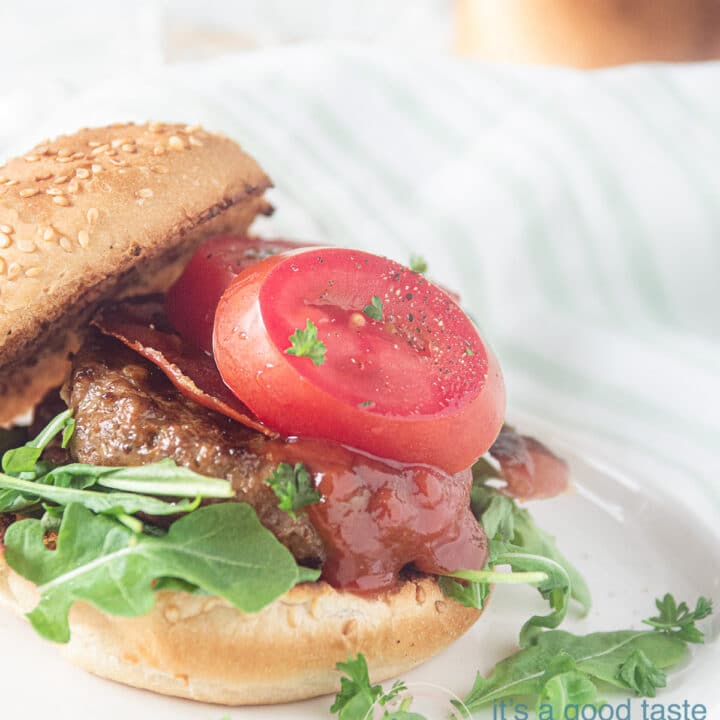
[191, 302]
[414, 385]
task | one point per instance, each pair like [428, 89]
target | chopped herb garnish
[305, 343]
[469, 352]
[375, 310]
[418, 264]
[293, 487]
[366, 403]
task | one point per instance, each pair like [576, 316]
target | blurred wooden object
[588, 33]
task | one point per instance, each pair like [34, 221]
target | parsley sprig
[375, 309]
[305, 343]
[293, 487]
[357, 697]
[678, 620]
[418, 264]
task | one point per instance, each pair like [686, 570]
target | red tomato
[418, 385]
[191, 302]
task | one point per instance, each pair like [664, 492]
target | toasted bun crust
[203, 649]
[88, 216]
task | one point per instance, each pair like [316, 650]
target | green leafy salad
[94, 533]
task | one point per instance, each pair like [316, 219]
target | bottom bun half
[201, 648]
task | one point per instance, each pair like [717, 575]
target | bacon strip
[140, 323]
[530, 469]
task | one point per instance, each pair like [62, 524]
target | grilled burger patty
[128, 413]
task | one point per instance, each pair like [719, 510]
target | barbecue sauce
[377, 516]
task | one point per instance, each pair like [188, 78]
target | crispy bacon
[529, 468]
[140, 323]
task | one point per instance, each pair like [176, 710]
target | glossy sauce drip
[376, 516]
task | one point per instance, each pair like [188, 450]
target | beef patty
[128, 413]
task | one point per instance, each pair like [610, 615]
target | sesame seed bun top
[97, 214]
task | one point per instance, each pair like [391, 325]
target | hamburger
[230, 463]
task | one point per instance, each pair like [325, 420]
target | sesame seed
[159, 169]
[99, 149]
[31, 158]
[65, 160]
[10, 183]
[43, 176]
[128, 148]
[28, 192]
[55, 191]
[60, 179]
[83, 238]
[82, 173]
[145, 193]
[64, 153]
[77, 155]
[33, 272]
[61, 200]
[194, 141]
[155, 127]
[176, 143]
[14, 270]
[190, 129]
[26, 246]
[118, 163]
[94, 143]
[118, 142]
[73, 185]
[96, 168]
[4, 240]
[48, 233]
[2, 266]
[7, 229]
[159, 150]
[65, 244]
[92, 215]
[111, 153]
[42, 149]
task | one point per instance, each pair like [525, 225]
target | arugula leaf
[375, 310]
[356, 697]
[305, 343]
[112, 503]
[641, 674]
[222, 549]
[498, 515]
[470, 594]
[549, 577]
[536, 541]
[293, 487]
[503, 519]
[418, 264]
[568, 688]
[603, 657]
[158, 478]
[679, 620]
[23, 459]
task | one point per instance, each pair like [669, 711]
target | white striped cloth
[577, 213]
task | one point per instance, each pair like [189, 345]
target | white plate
[633, 542]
